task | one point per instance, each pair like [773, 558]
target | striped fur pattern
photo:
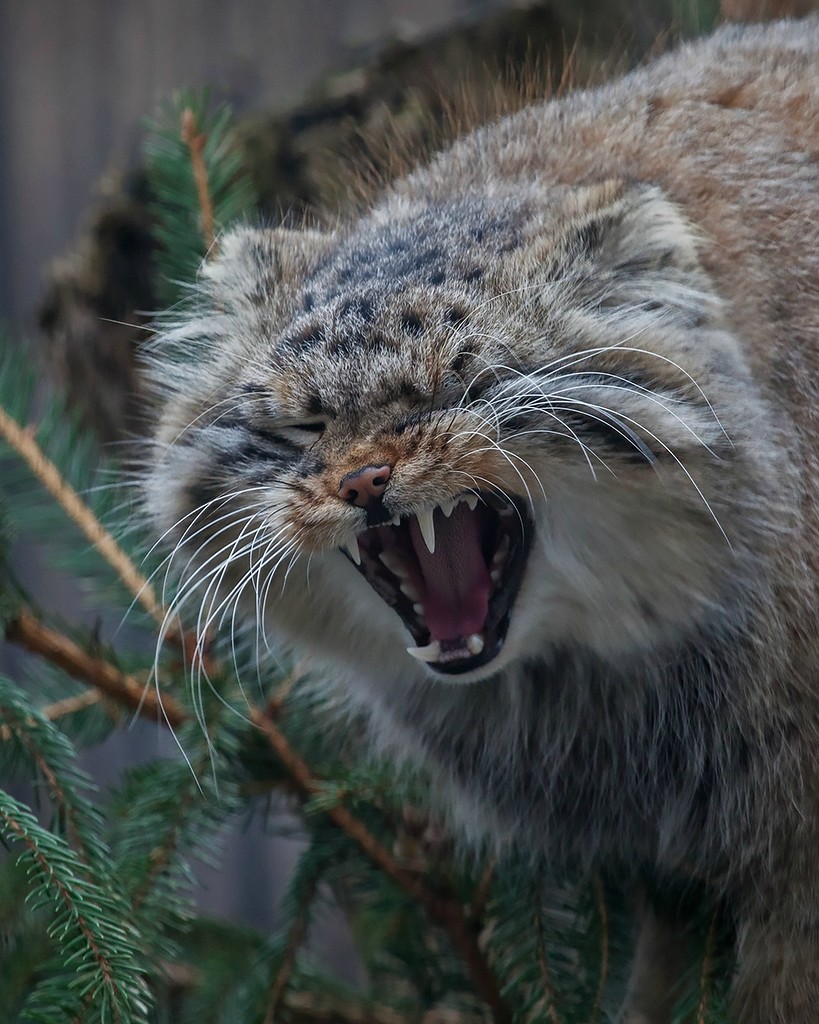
[606, 309]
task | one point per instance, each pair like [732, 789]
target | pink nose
[365, 486]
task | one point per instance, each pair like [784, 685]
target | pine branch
[548, 995]
[106, 944]
[23, 442]
[443, 909]
[127, 690]
[603, 914]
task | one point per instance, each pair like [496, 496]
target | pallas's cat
[526, 459]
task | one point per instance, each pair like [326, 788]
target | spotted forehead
[390, 279]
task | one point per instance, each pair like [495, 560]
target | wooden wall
[77, 77]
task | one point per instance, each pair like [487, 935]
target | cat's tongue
[456, 578]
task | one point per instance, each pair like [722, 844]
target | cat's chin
[452, 574]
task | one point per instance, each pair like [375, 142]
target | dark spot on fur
[305, 338]
[362, 309]
[460, 362]
[475, 274]
[477, 234]
[454, 315]
[438, 277]
[412, 324]
[308, 302]
[252, 389]
[315, 407]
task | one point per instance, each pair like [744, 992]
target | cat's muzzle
[451, 573]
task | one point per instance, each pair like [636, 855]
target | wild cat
[525, 457]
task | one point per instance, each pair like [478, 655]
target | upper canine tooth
[446, 506]
[431, 653]
[427, 528]
[351, 546]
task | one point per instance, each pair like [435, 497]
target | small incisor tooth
[350, 545]
[475, 644]
[409, 590]
[471, 500]
[430, 653]
[427, 527]
[446, 506]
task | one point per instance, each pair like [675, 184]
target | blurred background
[308, 80]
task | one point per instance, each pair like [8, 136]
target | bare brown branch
[195, 141]
[26, 446]
[27, 631]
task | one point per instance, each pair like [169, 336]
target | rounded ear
[623, 245]
[250, 263]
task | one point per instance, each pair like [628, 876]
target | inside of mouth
[456, 598]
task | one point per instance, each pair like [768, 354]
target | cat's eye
[304, 431]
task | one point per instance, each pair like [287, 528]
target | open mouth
[451, 573]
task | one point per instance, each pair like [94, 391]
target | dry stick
[195, 141]
[24, 443]
[444, 911]
[59, 649]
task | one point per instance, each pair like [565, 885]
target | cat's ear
[625, 246]
[252, 264]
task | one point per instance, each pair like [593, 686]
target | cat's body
[601, 316]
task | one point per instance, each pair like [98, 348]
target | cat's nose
[365, 487]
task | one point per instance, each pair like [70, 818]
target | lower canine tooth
[351, 546]
[430, 653]
[475, 643]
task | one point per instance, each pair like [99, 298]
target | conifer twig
[23, 442]
[68, 901]
[707, 967]
[27, 631]
[60, 708]
[443, 909]
[549, 995]
[602, 910]
[295, 937]
[195, 141]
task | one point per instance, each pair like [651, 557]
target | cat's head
[454, 435]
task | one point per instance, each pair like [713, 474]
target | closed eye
[302, 432]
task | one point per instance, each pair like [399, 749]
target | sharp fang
[430, 653]
[446, 506]
[350, 545]
[471, 500]
[427, 528]
[409, 590]
[395, 521]
[495, 575]
[418, 608]
[475, 643]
